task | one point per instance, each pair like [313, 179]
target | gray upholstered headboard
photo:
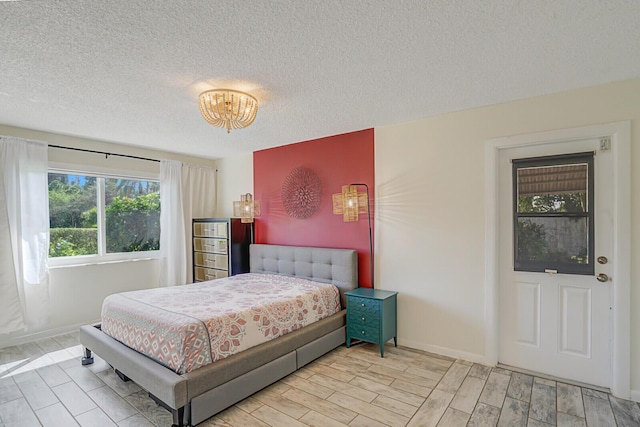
[336, 266]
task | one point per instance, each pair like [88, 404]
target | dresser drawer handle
[363, 319]
[362, 332]
[363, 304]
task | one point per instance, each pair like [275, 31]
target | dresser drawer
[202, 274]
[204, 259]
[210, 245]
[210, 229]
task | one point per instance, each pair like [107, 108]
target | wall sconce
[246, 208]
[350, 204]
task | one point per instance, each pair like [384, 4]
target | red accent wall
[337, 160]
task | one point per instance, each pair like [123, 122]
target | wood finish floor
[43, 384]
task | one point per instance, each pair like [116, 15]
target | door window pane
[561, 188]
[555, 239]
[553, 214]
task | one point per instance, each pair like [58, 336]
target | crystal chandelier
[228, 108]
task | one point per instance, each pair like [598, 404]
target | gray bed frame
[195, 396]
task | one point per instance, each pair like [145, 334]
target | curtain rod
[104, 152]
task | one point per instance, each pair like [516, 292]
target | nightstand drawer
[364, 332]
[368, 308]
[362, 318]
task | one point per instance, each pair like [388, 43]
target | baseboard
[635, 395]
[445, 351]
[40, 335]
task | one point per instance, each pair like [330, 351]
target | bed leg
[88, 358]
[178, 417]
[122, 376]
[178, 414]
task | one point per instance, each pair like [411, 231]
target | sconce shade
[246, 208]
[350, 203]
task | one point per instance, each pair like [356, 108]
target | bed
[200, 393]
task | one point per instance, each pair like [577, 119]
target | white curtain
[186, 192]
[24, 235]
[173, 257]
[200, 201]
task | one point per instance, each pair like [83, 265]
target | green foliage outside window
[567, 202]
[133, 225]
[69, 199]
[533, 243]
[132, 215]
[73, 241]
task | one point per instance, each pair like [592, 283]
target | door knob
[602, 277]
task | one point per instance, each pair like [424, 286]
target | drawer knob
[363, 319]
[362, 332]
[363, 305]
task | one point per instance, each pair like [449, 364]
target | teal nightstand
[371, 316]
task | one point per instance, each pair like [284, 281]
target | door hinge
[605, 143]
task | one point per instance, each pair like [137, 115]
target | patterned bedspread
[186, 327]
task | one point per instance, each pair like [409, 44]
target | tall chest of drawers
[220, 247]
[372, 316]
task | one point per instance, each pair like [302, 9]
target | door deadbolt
[602, 277]
[602, 260]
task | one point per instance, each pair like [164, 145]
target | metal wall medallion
[301, 193]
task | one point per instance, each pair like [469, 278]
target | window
[106, 217]
[553, 214]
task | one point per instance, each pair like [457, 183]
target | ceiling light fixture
[228, 108]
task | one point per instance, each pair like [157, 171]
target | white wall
[77, 291]
[235, 177]
[430, 225]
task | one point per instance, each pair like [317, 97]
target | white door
[556, 322]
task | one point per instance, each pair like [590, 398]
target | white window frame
[102, 256]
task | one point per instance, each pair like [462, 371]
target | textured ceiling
[130, 71]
